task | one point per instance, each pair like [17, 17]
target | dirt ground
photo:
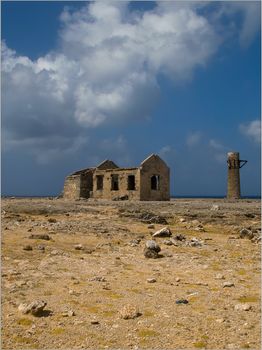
[86, 288]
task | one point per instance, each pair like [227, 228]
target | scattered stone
[219, 276]
[181, 301]
[129, 312]
[54, 252]
[41, 247]
[194, 242]
[243, 307]
[246, 233]
[27, 247]
[179, 237]
[35, 308]
[150, 254]
[94, 322]
[98, 279]
[78, 247]
[151, 250]
[39, 236]
[182, 220]
[152, 245]
[151, 280]
[52, 220]
[151, 218]
[214, 207]
[134, 242]
[164, 232]
[68, 313]
[228, 284]
[167, 242]
[178, 279]
[151, 226]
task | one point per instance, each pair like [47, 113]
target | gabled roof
[153, 157]
[149, 157]
[107, 164]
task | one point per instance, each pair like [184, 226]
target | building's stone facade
[149, 181]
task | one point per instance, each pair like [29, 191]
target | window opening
[155, 182]
[131, 183]
[99, 182]
[114, 183]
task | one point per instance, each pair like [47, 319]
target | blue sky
[82, 82]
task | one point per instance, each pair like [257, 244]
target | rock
[129, 312]
[167, 242]
[182, 220]
[164, 232]
[242, 307]
[228, 284]
[68, 313]
[194, 242]
[181, 301]
[150, 254]
[219, 276]
[94, 322]
[179, 237]
[150, 218]
[177, 279]
[27, 247]
[151, 280]
[39, 236]
[134, 242]
[52, 220]
[214, 207]
[151, 226]
[41, 247]
[35, 308]
[78, 247]
[98, 279]
[152, 245]
[246, 233]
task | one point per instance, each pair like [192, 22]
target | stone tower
[233, 177]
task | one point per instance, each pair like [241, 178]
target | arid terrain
[91, 270]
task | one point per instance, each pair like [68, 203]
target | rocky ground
[83, 267]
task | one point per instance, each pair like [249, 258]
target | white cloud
[105, 71]
[219, 151]
[252, 130]
[193, 138]
[216, 145]
[249, 14]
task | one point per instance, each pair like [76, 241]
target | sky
[88, 81]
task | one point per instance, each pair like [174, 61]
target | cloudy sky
[86, 81]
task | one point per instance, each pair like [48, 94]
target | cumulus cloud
[105, 71]
[252, 130]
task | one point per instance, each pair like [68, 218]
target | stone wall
[151, 167]
[72, 187]
[108, 193]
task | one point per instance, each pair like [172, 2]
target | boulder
[35, 308]
[152, 245]
[164, 232]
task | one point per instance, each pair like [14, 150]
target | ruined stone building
[148, 182]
